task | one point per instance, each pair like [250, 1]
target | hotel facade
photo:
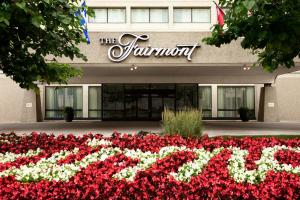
[146, 55]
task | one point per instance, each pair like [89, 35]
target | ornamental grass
[186, 122]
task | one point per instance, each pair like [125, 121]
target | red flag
[220, 15]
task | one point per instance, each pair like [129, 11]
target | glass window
[149, 15]
[159, 15]
[201, 15]
[95, 102]
[57, 98]
[116, 15]
[182, 15]
[189, 15]
[205, 101]
[100, 16]
[140, 15]
[113, 101]
[230, 99]
[186, 96]
[109, 15]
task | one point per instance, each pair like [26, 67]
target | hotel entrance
[145, 101]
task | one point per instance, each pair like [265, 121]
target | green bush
[187, 123]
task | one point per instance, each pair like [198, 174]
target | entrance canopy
[176, 73]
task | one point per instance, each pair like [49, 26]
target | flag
[83, 21]
[220, 15]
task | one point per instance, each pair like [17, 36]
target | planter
[69, 114]
[244, 114]
[69, 118]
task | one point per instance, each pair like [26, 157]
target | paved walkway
[212, 128]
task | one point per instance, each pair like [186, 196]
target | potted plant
[244, 114]
[69, 114]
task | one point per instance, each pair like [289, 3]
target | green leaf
[36, 21]
[21, 5]
[4, 20]
[249, 4]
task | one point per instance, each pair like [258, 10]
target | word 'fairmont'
[128, 44]
[49, 169]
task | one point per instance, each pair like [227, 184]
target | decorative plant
[244, 114]
[69, 114]
[187, 122]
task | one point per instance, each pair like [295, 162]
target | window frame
[236, 109]
[107, 21]
[59, 110]
[149, 15]
[210, 110]
[98, 110]
[191, 8]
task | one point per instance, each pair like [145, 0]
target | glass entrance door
[136, 101]
[162, 96]
[145, 101]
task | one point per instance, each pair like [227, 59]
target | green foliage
[271, 29]
[187, 123]
[69, 111]
[244, 113]
[31, 31]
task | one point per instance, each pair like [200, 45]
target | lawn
[43, 166]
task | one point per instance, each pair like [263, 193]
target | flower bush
[42, 166]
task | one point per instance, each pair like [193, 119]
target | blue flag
[83, 21]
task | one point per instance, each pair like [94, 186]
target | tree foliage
[270, 28]
[32, 31]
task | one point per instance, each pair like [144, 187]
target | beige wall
[13, 102]
[228, 54]
[288, 94]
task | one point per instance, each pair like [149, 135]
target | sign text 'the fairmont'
[128, 44]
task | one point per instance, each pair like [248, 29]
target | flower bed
[42, 166]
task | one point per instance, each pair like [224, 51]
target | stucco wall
[288, 94]
[228, 54]
[13, 102]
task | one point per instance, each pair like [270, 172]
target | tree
[32, 31]
[270, 28]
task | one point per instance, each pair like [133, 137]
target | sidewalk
[212, 128]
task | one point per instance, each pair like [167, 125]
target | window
[113, 101]
[186, 96]
[230, 99]
[192, 15]
[57, 98]
[204, 96]
[109, 15]
[95, 102]
[149, 15]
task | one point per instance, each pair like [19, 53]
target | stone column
[268, 105]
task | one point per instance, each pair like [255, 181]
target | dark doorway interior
[145, 101]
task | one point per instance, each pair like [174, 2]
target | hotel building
[146, 55]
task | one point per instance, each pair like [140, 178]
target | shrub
[69, 114]
[244, 114]
[187, 122]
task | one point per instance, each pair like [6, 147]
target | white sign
[28, 105]
[271, 105]
[122, 49]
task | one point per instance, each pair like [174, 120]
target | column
[214, 100]
[268, 105]
[85, 101]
